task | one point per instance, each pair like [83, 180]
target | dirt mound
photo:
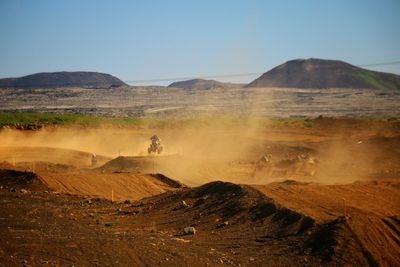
[241, 206]
[183, 169]
[127, 164]
[41, 166]
[6, 166]
[51, 167]
[171, 182]
[20, 180]
[350, 225]
[48, 154]
[335, 242]
[117, 186]
[327, 222]
[119, 179]
[375, 243]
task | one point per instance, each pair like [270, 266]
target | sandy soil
[326, 196]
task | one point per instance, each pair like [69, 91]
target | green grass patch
[374, 81]
[29, 119]
[294, 122]
[24, 120]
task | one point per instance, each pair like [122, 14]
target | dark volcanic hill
[63, 79]
[203, 84]
[321, 73]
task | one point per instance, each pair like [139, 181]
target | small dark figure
[94, 160]
[263, 164]
[155, 145]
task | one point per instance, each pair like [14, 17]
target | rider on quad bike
[155, 145]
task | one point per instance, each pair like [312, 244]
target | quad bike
[155, 147]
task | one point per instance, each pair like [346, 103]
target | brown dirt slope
[184, 169]
[236, 225]
[17, 180]
[122, 186]
[67, 179]
[367, 213]
[253, 225]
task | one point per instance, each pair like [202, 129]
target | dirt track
[347, 212]
[236, 225]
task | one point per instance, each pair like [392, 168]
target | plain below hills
[63, 79]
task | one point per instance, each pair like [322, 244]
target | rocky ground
[164, 101]
[234, 225]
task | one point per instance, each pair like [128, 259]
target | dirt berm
[242, 213]
[235, 225]
[67, 179]
[17, 180]
[181, 168]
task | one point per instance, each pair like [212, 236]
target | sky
[143, 42]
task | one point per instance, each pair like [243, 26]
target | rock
[24, 191]
[189, 230]
[199, 202]
[181, 205]
[223, 224]
[181, 240]
[13, 190]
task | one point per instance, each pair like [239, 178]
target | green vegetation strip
[373, 80]
[26, 120]
[43, 119]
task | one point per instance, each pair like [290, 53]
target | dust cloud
[104, 141]
[199, 154]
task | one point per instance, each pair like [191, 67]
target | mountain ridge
[86, 79]
[323, 73]
[203, 84]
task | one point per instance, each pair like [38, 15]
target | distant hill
[321, 73]
[63, 79]
[203, 84]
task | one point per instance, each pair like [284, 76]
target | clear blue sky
[140, 40]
